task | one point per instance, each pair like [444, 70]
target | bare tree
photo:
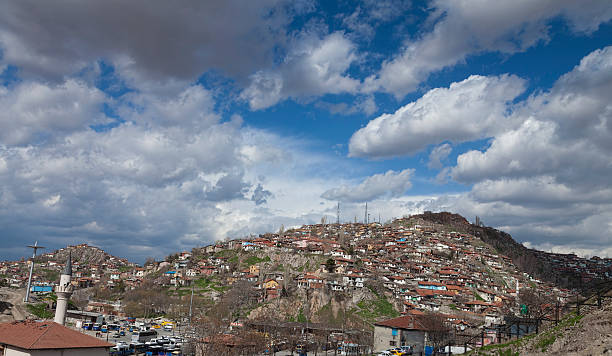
[536, 302]
[438, 329]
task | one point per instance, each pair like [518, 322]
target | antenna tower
[35, 247]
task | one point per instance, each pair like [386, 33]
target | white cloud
[39, 112]
[469, 27]
[313, 66]
[389, 184]
[174, 175]
[565, 133]
[472, 109]
[438, 154]
[546, 180]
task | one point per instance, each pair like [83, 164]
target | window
[391, 343]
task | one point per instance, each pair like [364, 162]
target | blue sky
[146, 127]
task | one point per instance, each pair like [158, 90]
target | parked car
[385, 353]
[407, 349]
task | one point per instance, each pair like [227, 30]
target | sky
[151, 127]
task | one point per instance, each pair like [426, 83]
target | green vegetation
[548, 337]
[208, 284]
[251, 260]
[40, 310]
[542, 340]
[225, 253]
[533, 285]
[452, 306]
[376, 308]
[545, 341]
[301, 318]
[478, 297]
[50, 275]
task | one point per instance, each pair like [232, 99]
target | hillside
[84, 254]
[353, 275]
[334, 276]
[589, 333]
[564, 270]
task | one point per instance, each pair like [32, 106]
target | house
[34, 338]
[407, 330]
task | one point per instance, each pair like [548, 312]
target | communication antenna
[365, 216]
[338, 214]
[35, 247]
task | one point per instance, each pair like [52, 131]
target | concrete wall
[100, 351]
[384, 335]
[414, 338]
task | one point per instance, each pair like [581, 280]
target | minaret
[63, 291]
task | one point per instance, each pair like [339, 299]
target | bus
[144, 336]
[87, 325]
[96, 327]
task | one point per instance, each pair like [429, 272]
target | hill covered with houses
[338, 276]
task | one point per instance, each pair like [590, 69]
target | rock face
[11, 305]
[319, 306]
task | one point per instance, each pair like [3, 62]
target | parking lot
[127, 337]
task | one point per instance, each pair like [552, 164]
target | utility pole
[338, 214]
[365, 216]
[190, 306]
[35, 247]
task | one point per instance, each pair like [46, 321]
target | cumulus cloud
[545, 180]
[313, 66]
[565, 132]
[173, 173]
[40, 112]
[469, 27]
[389, 184]
[53, 40]
[471, 109]
[161, 173]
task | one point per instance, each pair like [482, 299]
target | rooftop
[34, 335]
